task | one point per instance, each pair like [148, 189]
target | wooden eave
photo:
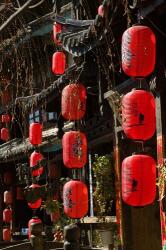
[20, 148]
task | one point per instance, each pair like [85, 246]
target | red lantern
[75, 199]
[37, 203]
[19, 193]
[35, 133]
[138, 51]
[8, 177]
[34, 220]
[74, 146]
[138, 180]
[8, 197]
[101, 10]
[57, 28]
[73, 104]
[7, 215]
[58, 63]
[34, 159]
[5, 118]
[7, 234]
[5, 134]
[138, 115]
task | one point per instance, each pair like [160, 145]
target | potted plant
[104, 194]
[161, 183]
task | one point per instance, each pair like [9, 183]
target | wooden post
[160, 85]
[161, 120]
[1, 213]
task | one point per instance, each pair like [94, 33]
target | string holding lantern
[58, 63]
[138, 115]
[57, 29]
[5, 136]
[37, 203]
[138, 180]
[138, 51]
[7, 215]
[35, 157]
[74, 144]
[73, 101]
[35, 133]
[75, 199]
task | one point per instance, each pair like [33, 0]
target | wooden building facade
[29, 92]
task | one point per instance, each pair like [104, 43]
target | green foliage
[104, 179]
[162, 179]
[51, 206]
[33, 194]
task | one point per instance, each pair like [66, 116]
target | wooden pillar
[13, 206]
[139, 226]
[1, 213]
[160, 87]
[118, 183]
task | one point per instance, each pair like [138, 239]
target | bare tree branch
[10, 19]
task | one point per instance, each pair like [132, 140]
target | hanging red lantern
[138, 180]
[101, 10]
[8, 177]
[75, 199]
[57, 28]
[73, 103]
[35, 133]
[19, 193]
[33, 221]
[37, 203]
[34, 160]
[7, 234]
[5, 118]
[138, 115]
[138, 51]
[5, 134]
[74, 144]
[8, 197]
[58, 63]
[7, 215]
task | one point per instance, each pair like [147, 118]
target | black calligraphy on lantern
[67, 196]
[77, 147]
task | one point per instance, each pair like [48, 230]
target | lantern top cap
[35, 122]
[140, 153]
[134, 89]
[140, 25]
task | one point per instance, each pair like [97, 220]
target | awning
[19, 148]
[53, 90]
[80, 36]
